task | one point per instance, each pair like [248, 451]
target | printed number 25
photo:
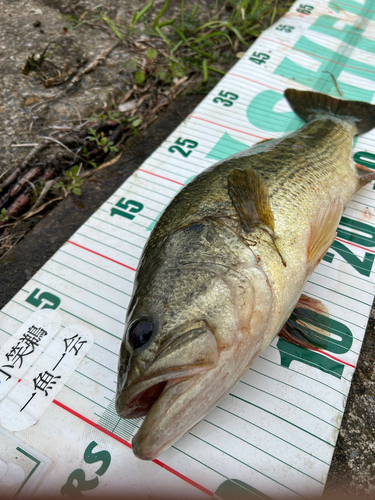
[187, 143]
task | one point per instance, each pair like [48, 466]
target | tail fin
[308, 105]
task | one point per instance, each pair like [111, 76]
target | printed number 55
[187, 143]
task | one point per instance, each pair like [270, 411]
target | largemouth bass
[226, 264]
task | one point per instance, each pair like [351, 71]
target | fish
[224, 268]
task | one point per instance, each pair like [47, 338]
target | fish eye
[140, 333]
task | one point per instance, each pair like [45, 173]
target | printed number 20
[187, 143]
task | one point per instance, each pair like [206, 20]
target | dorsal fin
[250, 198]
[304, 333]
[323, 232]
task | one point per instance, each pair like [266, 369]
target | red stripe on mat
[101, 255]
[336, 359]
[254, 81]
[122, 441]
[355, 245]
[318, 56]
[225, 126]
[161, 177]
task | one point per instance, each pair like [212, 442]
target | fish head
[194, 325]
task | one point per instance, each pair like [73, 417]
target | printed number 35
[229, 97]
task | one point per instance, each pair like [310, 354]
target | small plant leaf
[152, 54]
[140, 77]
[136, 123]
[74, 170]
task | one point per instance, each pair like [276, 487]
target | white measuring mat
[275, 433]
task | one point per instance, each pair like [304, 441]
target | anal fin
[302, 327]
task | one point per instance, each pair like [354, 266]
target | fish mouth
[140, 405]
[138, 399]
[191, 353]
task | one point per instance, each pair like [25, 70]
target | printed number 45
[259, 57]
[183, 143]
[226, 98]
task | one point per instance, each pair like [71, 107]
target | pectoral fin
[323, 232]
[302, 327]
[250, 198]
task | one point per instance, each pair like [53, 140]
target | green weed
[72, 183]
[3, 215]
[199, 41]
[102, 141]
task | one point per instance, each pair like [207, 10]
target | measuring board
[275, 433]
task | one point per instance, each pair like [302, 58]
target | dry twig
[98, 59]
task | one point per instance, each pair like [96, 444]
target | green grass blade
[113, 27]
[204, 70]
[166, 23]
[215, 33]
[238, 35]
[205, 54]
[139, 15]
[217, 24]
[216, 70]
[274, 13]
[159, 16]
[255, 6]
[161, 34]
[176, 47]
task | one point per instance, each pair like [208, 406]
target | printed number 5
[187, 143]
[53, 301]
[259, 57]
[229, 98]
